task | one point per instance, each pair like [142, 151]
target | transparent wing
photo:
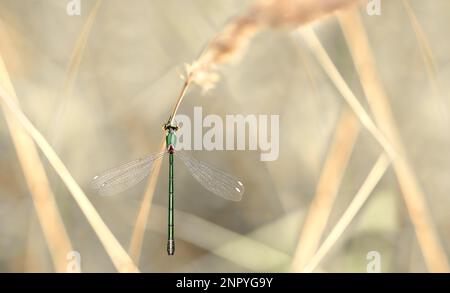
[214, 180]
[122, 177]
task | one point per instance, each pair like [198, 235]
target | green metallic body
[170, 145]
[170, 232]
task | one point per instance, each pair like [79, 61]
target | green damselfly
[121, 178]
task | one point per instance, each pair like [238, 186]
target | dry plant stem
[344, 89]
[72, 73]
[34, 261]
[327, 189]
[358, 201]
[43, 199]
[180, 99]
[430, 244]
[118, 255]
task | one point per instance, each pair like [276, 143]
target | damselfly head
[171, 125]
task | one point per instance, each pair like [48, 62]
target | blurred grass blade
[137, 238]
[358, 201]
[334, 167]
[44, 201]
[71, 75]
[118, 255]
[420, 215]
[329, 67]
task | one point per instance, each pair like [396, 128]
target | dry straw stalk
[429, 242]
[44, 201]
[118, 255]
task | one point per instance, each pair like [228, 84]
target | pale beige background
[126, 86]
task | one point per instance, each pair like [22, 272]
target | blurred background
[125, 86]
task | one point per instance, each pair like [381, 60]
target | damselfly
[121, 178]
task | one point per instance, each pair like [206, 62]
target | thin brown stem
[180, 99]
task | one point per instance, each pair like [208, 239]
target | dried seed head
[229, 45]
